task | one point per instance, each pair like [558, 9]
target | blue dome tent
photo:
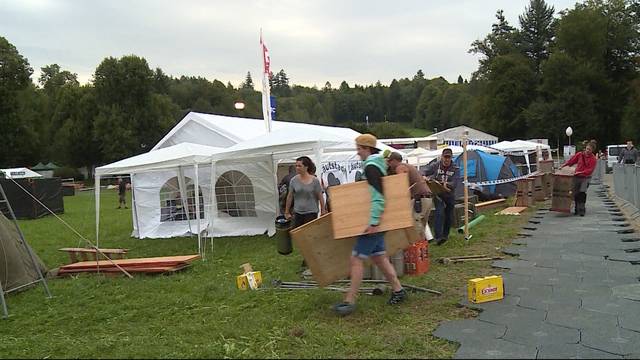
[487, 167]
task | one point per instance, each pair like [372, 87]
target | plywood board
[514, 210]
[436, 187]
[141, 262]
[350, 205]
[328, 258]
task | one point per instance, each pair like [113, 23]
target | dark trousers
[580, 186]
[445, 206]
[301, 219]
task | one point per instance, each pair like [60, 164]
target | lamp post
[569, 132]
[239, 105]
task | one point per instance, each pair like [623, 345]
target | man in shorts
[371, 243]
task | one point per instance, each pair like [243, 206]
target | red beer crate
[416, 258]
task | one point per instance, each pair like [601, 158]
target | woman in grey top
[306, 193]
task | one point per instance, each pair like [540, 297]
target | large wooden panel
[328, 258]
[351, 203]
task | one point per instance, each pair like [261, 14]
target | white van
[613, 151]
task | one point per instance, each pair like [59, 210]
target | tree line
[578, 68]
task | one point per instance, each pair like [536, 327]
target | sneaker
[344, 308]
[441, 241]
[397, 297]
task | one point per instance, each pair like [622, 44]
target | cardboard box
[485, 289]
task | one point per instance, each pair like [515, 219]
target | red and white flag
[266, 91]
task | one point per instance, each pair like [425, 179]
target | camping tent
[22, 194]
[524, 153]
[16, 266]
[424, 157]
[488, 167]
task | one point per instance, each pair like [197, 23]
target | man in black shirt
[122, 191]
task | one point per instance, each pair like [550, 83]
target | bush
[68, 172]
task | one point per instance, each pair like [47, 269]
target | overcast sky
[313, 41]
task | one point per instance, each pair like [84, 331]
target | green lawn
[415, 132]
[200, 313]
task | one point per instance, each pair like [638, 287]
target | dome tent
[487, 167]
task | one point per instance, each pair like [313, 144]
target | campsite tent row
[236, 177]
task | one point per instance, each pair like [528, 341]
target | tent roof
[457, 132]
[39, 166]
[284, 144]
[228, 130]
[169, 157]
[20, 173]
[519, 145]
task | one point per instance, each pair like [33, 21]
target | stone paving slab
[461, 330]
[542, 334]
[495, 349]
[581, 319]
[612, 339]
[513, 316]
[569, 351]
[628, 291]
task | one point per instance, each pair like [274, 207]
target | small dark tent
[16, 266]
[487, 167]
[47, 191]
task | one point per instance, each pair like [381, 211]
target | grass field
[415, 132]
[200, 313]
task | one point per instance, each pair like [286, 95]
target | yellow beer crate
[485, 289]
[251, 280]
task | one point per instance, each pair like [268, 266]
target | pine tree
[537, 32]
[248, 82]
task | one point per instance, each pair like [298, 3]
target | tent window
[234, 195]
[173, 208]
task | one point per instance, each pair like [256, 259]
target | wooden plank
[148, 270]
[328, 258]
[514, 210]
[350, 205]
[489, 204]
[168, 260]
[91, 250]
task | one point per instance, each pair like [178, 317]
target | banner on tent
[340, 172]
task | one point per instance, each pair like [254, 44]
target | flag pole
[465, 139]
[266, 91]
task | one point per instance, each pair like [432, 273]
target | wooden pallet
[86, 254]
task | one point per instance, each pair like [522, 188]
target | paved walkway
[572, 292]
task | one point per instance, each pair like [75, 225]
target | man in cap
[371, 243]
[418, 187]
[447, 174]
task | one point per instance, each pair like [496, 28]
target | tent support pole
[214, 204]
[135, 210]
[184, 198]
[197, 196]
[4, 303]
[466, 186]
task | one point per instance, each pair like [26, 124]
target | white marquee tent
[20, 173]
[237, 184]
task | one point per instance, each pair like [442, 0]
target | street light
[569, 132]
[239, 105]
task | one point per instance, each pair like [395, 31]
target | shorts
[369, 245]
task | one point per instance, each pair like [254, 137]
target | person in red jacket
[586, 163]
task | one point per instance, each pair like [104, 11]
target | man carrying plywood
[371, 243]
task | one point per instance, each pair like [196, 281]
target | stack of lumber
[154, 265]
